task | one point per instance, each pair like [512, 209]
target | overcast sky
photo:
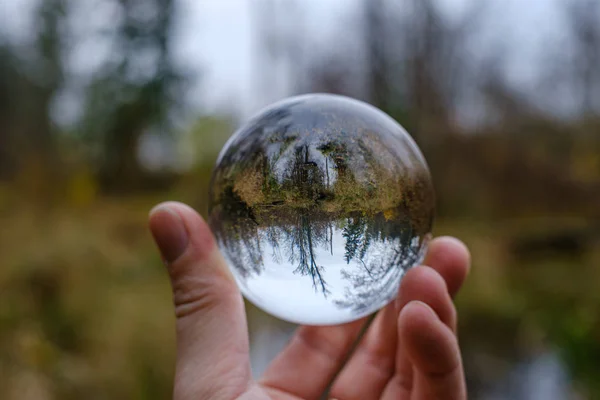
[217, 37]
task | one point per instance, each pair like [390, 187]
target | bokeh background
[110, 106]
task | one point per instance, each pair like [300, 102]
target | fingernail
[169, 232]
[416, 304]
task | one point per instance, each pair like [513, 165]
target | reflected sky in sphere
[320, 204]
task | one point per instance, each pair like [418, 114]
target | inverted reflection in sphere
[320, 204]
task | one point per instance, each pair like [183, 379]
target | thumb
[212, 338]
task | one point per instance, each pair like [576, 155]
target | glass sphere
[320, 204]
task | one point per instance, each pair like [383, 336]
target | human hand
[410, 351]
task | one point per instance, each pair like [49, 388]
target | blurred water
[544, 377]
[268, 336]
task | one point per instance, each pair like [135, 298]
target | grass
[86, 304]
[512, 308]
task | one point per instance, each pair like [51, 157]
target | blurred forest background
[96, 126]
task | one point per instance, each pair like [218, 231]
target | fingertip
[451, 258]
[169, 232]
[423, 279]
[415, 324]
[450, 250]
[415, 284]
[426, 340]
[414, 316]
[201, 237]
[426, 285]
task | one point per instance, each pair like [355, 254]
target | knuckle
[330, 346]
[200, 294]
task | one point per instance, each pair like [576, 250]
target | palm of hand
[410, 350]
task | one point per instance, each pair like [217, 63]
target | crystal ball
[320, 204]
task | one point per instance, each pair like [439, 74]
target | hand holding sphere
[410, 350]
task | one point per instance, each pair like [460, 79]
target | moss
[249, 186]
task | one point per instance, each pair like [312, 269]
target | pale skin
[410, 351]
